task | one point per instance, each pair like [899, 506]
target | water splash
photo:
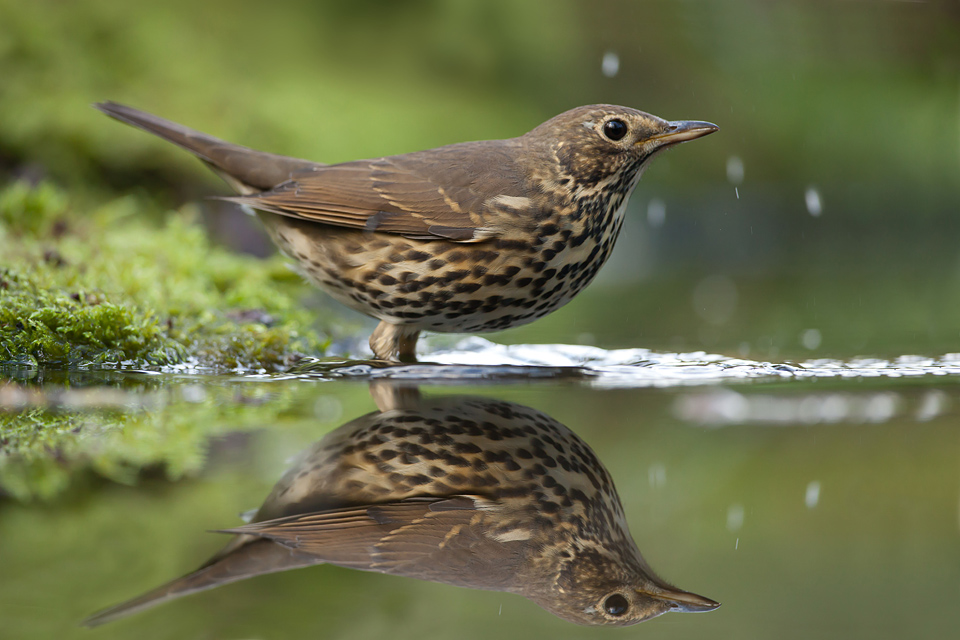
[476, 359]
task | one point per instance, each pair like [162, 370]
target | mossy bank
[108, 286]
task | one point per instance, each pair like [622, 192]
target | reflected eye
[616, 605]
[615, 129]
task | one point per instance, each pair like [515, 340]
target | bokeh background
[822, 219]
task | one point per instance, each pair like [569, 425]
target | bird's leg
[391, 395]
[394, 342]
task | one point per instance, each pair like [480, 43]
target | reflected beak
[684, 600]
[682, 131]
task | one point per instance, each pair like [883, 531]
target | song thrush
[471, 237]
[474, 492]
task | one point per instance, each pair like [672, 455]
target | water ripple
[478, 359]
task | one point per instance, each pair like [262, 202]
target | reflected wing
[444, 193]
[441, 540]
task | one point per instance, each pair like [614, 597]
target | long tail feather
[246, 170]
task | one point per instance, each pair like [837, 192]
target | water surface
[814, 499]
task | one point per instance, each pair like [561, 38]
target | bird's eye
[615, 129]
[616, 605]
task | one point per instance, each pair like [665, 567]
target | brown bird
[473, 492]
[471, 237]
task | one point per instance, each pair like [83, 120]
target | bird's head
[596, 587]
[594, 143]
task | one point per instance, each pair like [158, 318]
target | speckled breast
[447, 286]
[507, 453]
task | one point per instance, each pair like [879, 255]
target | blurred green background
[850, 110]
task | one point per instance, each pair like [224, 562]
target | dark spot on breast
[417, 256]
[452, 276]
[548, 506]
[485, 256]
[517, 245]
[536, 470]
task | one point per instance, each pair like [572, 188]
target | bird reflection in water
[469, 491]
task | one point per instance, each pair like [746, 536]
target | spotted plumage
[471, 237]
[474, 492]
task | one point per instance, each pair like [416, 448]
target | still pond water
[817, 499]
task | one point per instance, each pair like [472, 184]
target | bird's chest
[577, 241]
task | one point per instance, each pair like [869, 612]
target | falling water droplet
[811, 338]
[734, 517]
[656, 212]
[657, 475]
[812, 197]
[610, 65]
[812, 496]
[735, 170]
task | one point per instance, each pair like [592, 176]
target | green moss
[69, 437]
[106, 286]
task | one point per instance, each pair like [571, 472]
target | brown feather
[425, 538]
[245, 170]
[402, 194]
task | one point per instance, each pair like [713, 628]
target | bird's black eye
[616, 605]
[615, 129]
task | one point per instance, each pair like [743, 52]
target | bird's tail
[236, 562]
[246, 170]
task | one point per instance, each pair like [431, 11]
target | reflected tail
[238, 561]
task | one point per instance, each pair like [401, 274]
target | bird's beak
[682, 131]
[683, 600]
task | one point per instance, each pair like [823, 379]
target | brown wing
[442, 540]
[449, 193]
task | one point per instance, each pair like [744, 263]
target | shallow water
[812, 499]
